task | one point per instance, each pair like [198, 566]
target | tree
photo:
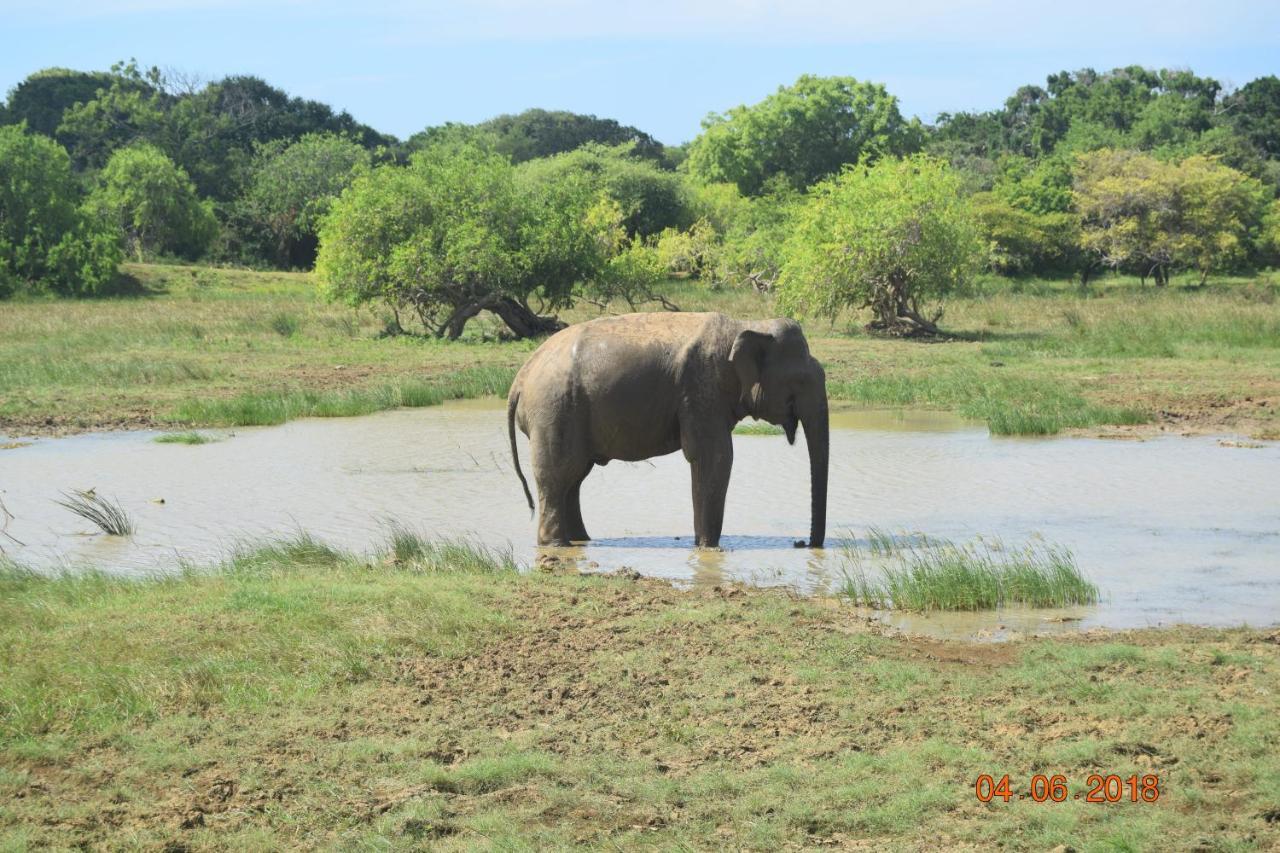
[651, 199]
[751, 233]
[802, 133]
[216, 131]
[46, 240]
[152, 204]
[42, 98]
[543, 133]
[130, 110]
[1027, 218]
[1254, 113]
[1085, 110]
[458, 231]
[1219, 210]
[292, 188]
[1156, 216]
[889, 237]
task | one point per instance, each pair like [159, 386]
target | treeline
[1150, 172]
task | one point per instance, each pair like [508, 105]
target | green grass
[1010, 405]
[756, 428]
[940, 575]
[300, 696]
[104, 513]
[218, 346]
[262, 409]
[184, 438]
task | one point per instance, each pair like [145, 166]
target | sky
[660, 65]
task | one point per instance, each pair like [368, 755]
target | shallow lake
[1171, 529]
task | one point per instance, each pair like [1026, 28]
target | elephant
[635, 386]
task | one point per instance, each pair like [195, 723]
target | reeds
[408, 549]
[930, 575]
[757, 428]
[184, 438]
[107, 515]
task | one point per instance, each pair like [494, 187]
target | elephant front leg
[711, 468]
[577, 529]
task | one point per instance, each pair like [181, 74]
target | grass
[105, 514]
[300, 696]
[212, 346]
[184, 438]
[756, 428]
[262, 409]
[940, 575]
[1010, 405]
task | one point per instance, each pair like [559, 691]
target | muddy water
[1171, 529]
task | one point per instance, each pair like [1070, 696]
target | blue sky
[661, 65]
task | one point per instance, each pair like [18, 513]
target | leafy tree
[542, 133]
[1085, 110]
[152, 204]
[802, 133]
[1028, 220]
[46, 241]
[1269, 235]
[1156, 216]
[216, 131]
[889, 237]
[130, 110]
[1254, 113]
[458, 232]
[688, 253]
[1024, 242]
[292, 188]
[651, 199]
[42, 98]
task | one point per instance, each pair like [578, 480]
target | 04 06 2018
[1098, 788]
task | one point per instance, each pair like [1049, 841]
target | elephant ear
[747, 357]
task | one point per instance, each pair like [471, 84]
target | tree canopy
[292, 187]
[458, 232]
[543, 133]
[152, 204]
[47, 243]
[651, 199]
[891, 236]
[1153, 217]
[801, 134]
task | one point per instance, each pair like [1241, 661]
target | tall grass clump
[300, 551]
[107, 515]
[285, 325]
[941, 575]
[408, 549]
[757, 428]
[270, 408]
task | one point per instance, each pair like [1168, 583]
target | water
[1171, 529]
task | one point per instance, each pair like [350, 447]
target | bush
[152, 204]
[889, 237]
[456, 233]
[47, 243]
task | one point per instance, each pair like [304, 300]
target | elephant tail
[515, 454]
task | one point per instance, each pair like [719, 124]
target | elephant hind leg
[560, 516]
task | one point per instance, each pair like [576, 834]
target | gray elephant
[643, 385]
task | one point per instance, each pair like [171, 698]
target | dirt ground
[625, 712]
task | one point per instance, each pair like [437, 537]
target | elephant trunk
[817, 437]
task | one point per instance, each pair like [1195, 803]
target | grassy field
[206, 347]
[299, 697]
